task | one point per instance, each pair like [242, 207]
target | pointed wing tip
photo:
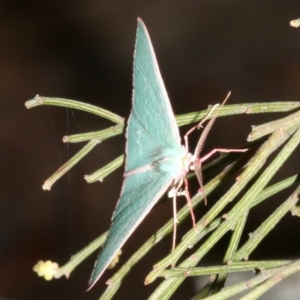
[92, 281]
[99, 270]
[96, 273]
[141, 22]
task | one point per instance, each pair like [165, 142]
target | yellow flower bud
[46, 269]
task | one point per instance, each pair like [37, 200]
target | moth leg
[198, 165]
[198, 173]
[189, 202]
[174, 192]
[221, 150]
[195, 160]
[196, 157]
[199, 125]
[175, 221]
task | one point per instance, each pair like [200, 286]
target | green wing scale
[154, 152]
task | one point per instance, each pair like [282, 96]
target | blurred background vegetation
[83, 50]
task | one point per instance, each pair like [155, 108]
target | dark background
[83, 50]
